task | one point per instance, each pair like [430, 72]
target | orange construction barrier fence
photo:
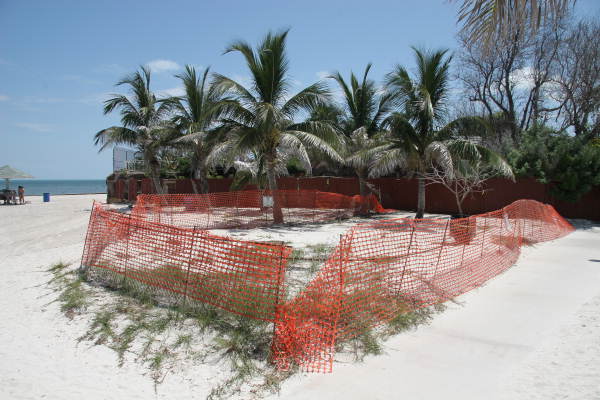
[250, 208]
[378, 270]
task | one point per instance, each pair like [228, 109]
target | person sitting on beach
[21, 195]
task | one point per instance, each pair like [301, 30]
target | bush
[571, 164]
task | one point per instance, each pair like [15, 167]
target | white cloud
[159, 66]
[35, 126]
[176, 91]
[4, 97]
[522, 78]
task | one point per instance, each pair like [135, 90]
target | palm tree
[452, 156]
[197, 113]
[483, 19]
[364, 111]
[144, 122]
[260, 120]
[414, 141]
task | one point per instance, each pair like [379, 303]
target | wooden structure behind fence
[394, 193]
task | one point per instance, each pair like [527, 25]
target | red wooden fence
[400, 194]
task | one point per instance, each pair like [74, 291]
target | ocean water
[35, 187]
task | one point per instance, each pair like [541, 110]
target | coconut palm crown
[414, 141]
[260, 119]
[198, 112]
[365, 108]
[144, 122]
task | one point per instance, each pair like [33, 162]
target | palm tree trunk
[362, 182]
[277, 213]
[154, 171]
[199, 171]
[421, 198]
[200, 175]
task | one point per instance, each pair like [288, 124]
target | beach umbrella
[7, 172]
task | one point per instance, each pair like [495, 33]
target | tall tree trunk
[362, 181]
[199, 171]
[154, 171]
[199, 174]
[421, 198]
[277, 213]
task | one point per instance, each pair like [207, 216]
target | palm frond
[307, 99]
[291, 146]
[223, 154]
[386, 162]
[225, 84]
[484, 20]
[115, 135]
[474, 153]
[323, 129]
[194, 137]
[440, 155]
[465, 127]
[313, 141]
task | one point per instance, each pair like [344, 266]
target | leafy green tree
[198, 112]
[414, 141]
[570, 164]
[144, 120]
[260, 120]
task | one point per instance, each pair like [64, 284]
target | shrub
[571, 164]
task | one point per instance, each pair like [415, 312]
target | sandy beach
[531, 333]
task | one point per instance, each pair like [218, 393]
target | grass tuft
[156, 329]
[74, 296]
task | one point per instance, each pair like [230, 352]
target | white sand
[531, 333]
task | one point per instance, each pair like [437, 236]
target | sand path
[531, 333]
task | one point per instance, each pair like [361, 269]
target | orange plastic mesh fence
[378, 270]
[243, 277]
[382, 269]
[250, 208]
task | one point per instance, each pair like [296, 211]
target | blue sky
[60, 59]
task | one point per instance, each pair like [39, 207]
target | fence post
[441, 249]
[124, 268]
[462, 254]
[342, 247]
[483, 238]
[412, 234]
[87, 236]
[237, 204]
[341, 272]
[280, 283]
[189, 264]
